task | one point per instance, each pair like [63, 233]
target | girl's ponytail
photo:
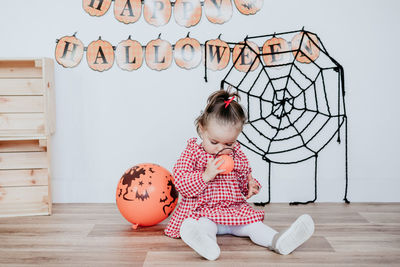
[223, 106]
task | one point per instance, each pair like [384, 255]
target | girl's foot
[198, 239]
[299, 232]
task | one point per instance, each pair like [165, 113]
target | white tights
[258, 232]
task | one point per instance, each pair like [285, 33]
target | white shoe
[196, 238]
[298, 233]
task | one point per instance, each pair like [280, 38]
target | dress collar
[232, 153]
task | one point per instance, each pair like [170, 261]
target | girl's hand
[253, 187]
[212, 169]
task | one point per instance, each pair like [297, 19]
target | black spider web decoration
[294, 109]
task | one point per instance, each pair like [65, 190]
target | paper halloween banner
[187, 52]
[187, 13]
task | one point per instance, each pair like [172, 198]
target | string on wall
[187, 53]
[187, 13]
[294, 97]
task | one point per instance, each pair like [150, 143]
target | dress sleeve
[244, 170]
[188, 182]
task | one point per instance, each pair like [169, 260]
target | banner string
[224, 11]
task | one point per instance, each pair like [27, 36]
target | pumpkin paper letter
[273, 52]
[218, 11]
[158, 54]
[218, 54]
[127, 11]
[129, 55]
[96, 7]
[100, 55]
[187, 53]
[309, 50]
[157, 12]
[248, 58]
[69, 51]
[187, 12]
[248, 7]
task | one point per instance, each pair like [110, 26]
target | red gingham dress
[222, 200]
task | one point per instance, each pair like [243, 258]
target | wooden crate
[27, 121]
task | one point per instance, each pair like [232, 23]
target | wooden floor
[97, 235]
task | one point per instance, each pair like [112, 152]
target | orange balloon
[146, 194]
[227, 165]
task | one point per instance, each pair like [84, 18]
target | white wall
[107, 122]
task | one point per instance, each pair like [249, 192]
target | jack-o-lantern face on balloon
[146, 194]
[138, 184]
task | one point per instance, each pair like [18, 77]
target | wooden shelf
[27, 121]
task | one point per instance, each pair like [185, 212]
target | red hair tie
[227, 102]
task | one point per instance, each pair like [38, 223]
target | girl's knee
[208, 225]
[224, 229]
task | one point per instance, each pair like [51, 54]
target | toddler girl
[214, 203]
